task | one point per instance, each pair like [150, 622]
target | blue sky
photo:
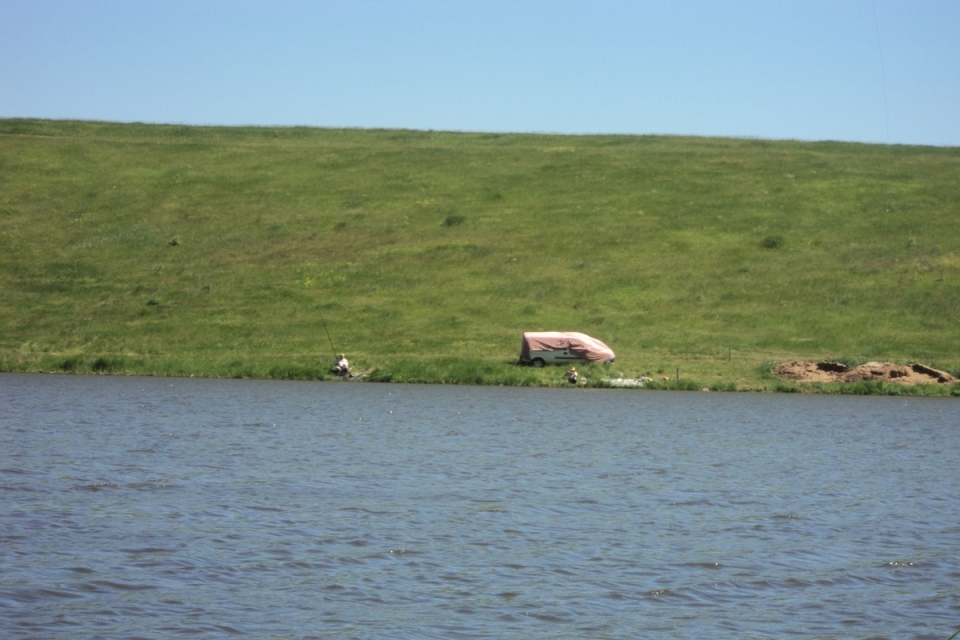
[857, 70]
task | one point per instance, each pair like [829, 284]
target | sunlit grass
[221, 252]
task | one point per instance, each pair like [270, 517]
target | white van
[556, 347]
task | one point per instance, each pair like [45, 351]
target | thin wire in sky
[883, 75]
[886, 114]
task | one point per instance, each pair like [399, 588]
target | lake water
[154, 507]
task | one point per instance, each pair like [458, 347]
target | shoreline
[777, 385]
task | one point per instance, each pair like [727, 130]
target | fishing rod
[325, 330]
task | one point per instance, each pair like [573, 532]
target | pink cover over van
[579, 344]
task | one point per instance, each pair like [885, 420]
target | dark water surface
[152, 507]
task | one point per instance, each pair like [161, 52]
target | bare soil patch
[878, 371]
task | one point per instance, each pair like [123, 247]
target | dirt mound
[879, 371]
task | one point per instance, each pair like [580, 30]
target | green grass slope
[222, 251]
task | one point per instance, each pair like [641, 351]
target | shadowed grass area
[216, 251]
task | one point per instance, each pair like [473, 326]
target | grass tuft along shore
[222, 251]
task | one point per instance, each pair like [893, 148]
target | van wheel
[538, 362]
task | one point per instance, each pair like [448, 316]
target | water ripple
[133, 508]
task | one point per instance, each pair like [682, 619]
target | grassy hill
[222, 251]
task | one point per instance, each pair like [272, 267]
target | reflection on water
[171, 507]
